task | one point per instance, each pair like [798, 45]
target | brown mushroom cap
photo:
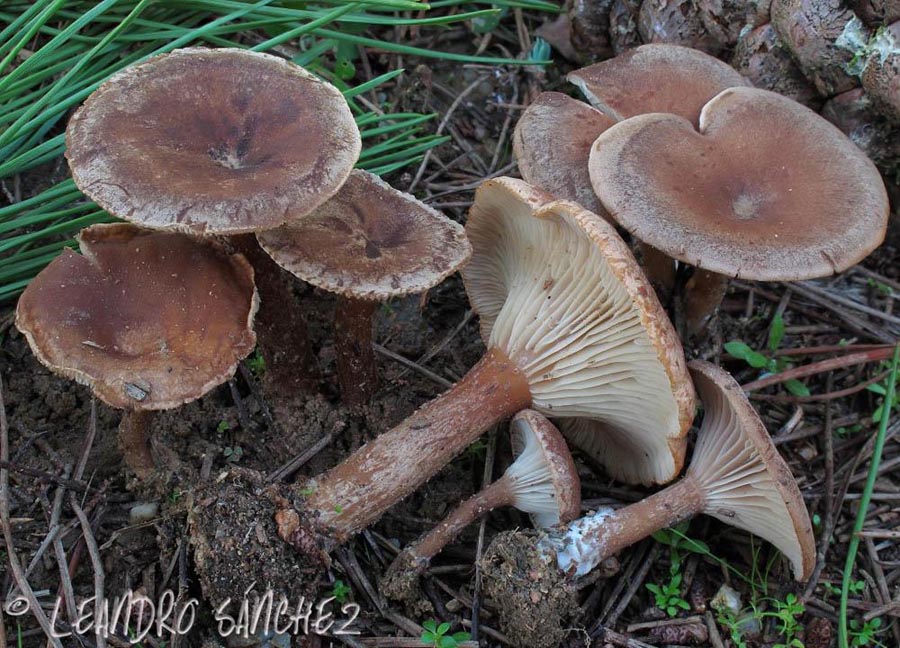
[148, 320]
[741, 197]
[543, 479]
[746, 483]
[212, 141]
[655, 78]
[370, 242]
[559, 293]
[552, 144]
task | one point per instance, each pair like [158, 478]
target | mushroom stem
[281, 328]
[431, 544]
[357, 492]
[703, 293]
[356, 369]
[594, 538]
[134, 442]
[660, 270]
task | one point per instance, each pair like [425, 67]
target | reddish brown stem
[433, 542]
[626, 526]
[355, 358]
[134, 442]
[357, 492]
[703, 294]
[660, 270]
[280, 326]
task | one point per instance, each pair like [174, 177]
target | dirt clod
[534, 599]
[254, 558]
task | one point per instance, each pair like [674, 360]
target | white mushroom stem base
[355, 359]
[703, 294]
[134, 442]
[351, 496]
[588, 541]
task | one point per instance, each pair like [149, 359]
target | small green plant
[175, 495]
[846, 432]
[728, 620]
[856, 587]
[306, 492]
[257, 364]
[436, 635]
[222, 427]
[338, 509]
[340, 591]
[882, 389]
[862, 635]
[787, 614]
[757, 360]
[883, 289]
[668, 596]
[233, 454]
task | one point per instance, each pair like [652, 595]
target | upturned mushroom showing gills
[572, 330]
[738, 198]
[542, 481]
[148, 320]
[368, 244]
[736, 476]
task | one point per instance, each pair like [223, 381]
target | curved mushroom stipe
[368, 244]
[655, 78]
[542, 481]
[552, 143]
[251, 142]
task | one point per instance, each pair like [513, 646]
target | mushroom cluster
[684, 157]
[674, 146]
[155, 314]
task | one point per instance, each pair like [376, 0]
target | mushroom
[736, 476]
[148, 320]
[572, 330]
[738, 198]
[368, 244]
[542, 481]
[255, 142]
[655, 78]
[552, 144]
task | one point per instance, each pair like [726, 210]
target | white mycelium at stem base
[736, 475]
[559, 292]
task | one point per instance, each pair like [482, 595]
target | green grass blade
[865, 500]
